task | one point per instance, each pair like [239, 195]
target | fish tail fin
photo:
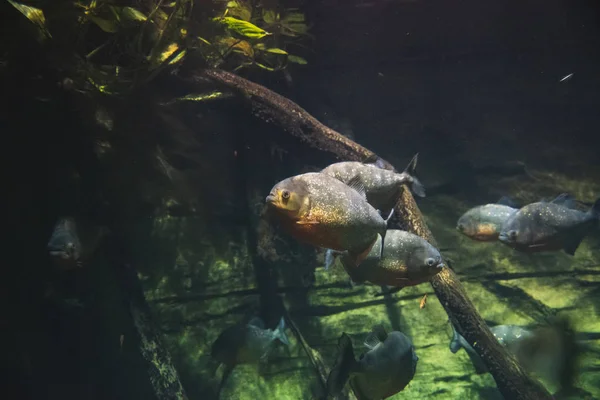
[455, 343]
[344, 365]
[330, 258]
[570, 352]
[411, 170]
[595, 210]
[280, 332]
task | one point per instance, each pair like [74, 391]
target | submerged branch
[161, 371]
[510, 377]
[289, 116]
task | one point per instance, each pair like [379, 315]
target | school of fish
[345, 209]
[543, 226]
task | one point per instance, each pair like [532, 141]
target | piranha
[71, 243]
[484, 222]
[382, 186]
[406, 260]
[384, 370]
[247, 343]
[549, 351]
[322, 211]
[550, 226]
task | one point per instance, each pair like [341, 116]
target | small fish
[64, 245]
[423, 302]
[72, 243]
[457, 342]
[322, 211]
[407, 260]
[566, 77]
[247, 344]
[384, 370]
[483, 223]
[549, 351]
[382, 186]
[549, 226]
[121, 340]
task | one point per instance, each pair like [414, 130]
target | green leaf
[297, 60]
[275, 50]
[178, 57]
[201, 39]
[240, 10]
[294, 17]
[297, 27]
[133, 14]
[239, 46]
[104, 24]
[269, 16]
[264, 66]
[33, 14]
[243, 28]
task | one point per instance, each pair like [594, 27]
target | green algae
[209, 284]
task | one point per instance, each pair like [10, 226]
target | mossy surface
[200, 280]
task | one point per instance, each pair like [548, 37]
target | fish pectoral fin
[356, 184]
[330, 257]
[372, 341]
[357, 258]
[571, 244]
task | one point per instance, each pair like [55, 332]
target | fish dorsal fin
[372, 159]
[411, 168]
[376, 337]
[566, 200]
[507, 201]
[356, 184]
[380, 331]
[376, 161]
[257, 322]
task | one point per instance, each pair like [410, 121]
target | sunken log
[160, 369]
[511, 379]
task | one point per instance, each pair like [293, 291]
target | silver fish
[247, 343]
[382, 186]
[64, 245]
[484, 222]
[550, 351]
[549, 226]
[406, 260]
[384, 370]
[74, 241]
[320, 210]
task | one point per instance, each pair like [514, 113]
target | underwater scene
[304, 200]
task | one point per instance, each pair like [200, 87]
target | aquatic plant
[116, 47]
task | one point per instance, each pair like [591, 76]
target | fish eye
[460, 227]
[512, 234]
[285, 194]
[430, 262]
